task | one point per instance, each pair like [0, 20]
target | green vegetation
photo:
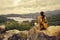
[19, 26]
[54, 20]
[26, 25]
[11, 24]
[3, 20]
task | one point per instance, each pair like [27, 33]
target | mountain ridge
[32, 15]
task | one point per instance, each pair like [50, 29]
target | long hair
[42, 14]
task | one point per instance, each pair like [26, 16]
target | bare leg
[38, 27]
[45, 25]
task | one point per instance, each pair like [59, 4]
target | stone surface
[51, 33]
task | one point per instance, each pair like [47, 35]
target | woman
[42, 21]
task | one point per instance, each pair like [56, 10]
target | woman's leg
[45, 25]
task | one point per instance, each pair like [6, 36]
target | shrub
[15, 25]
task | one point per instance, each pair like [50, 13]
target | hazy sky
[28, 6]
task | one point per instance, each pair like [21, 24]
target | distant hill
[3, 19]
[33, 15]
[54, 20]
[30, 16]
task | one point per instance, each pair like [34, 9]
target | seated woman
[42, 21]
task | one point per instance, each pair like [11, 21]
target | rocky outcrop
[2, 28]
[51, 33]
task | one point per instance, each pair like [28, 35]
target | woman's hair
[42, 14]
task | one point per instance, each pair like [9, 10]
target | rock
[52, 30]
[2, 29]
[10, 33]
[51, 33]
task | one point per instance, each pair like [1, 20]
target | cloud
[27, 6]
[16, 2]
